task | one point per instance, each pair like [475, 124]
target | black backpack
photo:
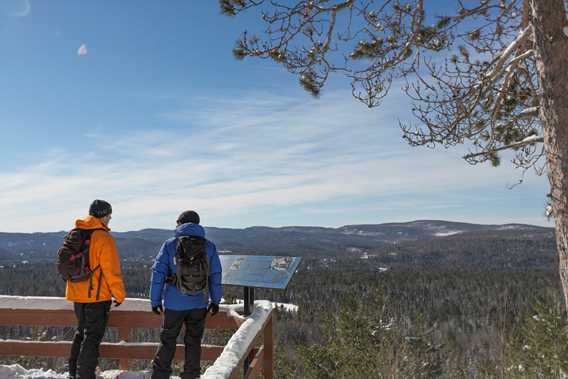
[192, 262]
[73, 256]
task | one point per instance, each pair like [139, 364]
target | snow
[34, 302]
[353, 250]
[516, 227]
[236, 347]
[508, 227]
[288, 307]
[118, 374]
[533, 138]
[59, 303]
[362, 233]
[18, 372]
[448, 233]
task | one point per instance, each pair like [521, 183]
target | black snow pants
[194, 320]
[92, 320]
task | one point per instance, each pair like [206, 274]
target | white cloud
[230, 158]
[23, 8]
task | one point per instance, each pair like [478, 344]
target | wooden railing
[252, 341]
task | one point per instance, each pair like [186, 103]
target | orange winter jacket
[106, 282]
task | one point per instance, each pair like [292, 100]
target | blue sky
[158, 117]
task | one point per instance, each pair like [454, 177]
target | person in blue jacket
[180, 308]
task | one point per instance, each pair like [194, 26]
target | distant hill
[416, 239]
[425, 229]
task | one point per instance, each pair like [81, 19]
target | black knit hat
[188, 216]
[100, 209]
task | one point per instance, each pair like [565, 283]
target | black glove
[116, 303]
[157, 309]
[213, 308]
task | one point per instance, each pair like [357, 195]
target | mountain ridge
[416, 241]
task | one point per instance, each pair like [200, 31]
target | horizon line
[309, 226]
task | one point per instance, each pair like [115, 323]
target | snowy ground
[18, 372]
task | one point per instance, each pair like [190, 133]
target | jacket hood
[90, 222]
[190, 229]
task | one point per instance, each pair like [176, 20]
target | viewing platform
[252, 341]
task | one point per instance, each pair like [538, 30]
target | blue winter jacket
[164, 265]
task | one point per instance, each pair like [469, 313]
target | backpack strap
[206, 291]
[171, 278]
[86, 233]
[100, 283]
[91, 281]
[90, 286]
[90, 233]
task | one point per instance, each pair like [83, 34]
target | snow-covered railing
[134, 313]
[258, 326]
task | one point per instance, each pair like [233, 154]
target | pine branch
[510, 71]
[502, 92]
[528, 112]
[336, 7]
[499, 62]
[530, 140]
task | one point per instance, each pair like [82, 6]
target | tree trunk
[549, 18]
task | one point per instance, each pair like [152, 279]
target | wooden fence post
[124, 335]
[268, 356]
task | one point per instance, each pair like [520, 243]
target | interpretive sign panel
[258, 271]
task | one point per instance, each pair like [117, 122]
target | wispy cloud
[22, 8]
[240, 161]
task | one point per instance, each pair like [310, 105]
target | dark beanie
[100, 209]
[188, 216]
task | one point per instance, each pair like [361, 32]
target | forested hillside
[353, 320]
[424, 242]
[465, 305]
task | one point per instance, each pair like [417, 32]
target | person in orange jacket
[92, 298]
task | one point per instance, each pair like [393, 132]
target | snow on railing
[242, 342]
[229, 361]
